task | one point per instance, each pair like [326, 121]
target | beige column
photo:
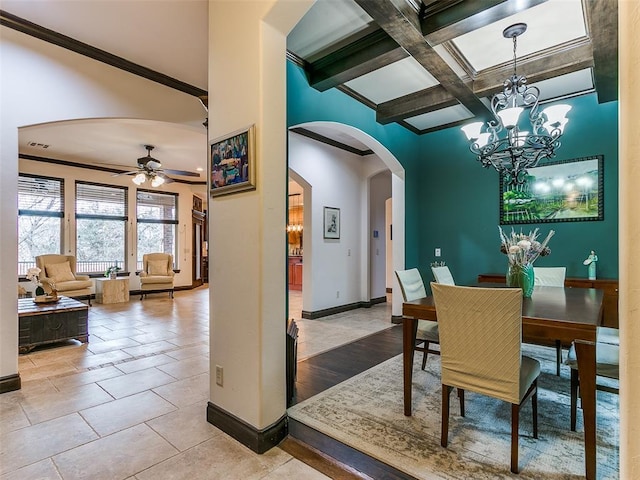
[629, 217]
[247, 237]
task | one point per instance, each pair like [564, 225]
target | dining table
[550, 314]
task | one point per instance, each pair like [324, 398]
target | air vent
[37, 145]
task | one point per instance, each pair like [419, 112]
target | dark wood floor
[323, 371]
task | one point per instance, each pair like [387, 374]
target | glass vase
[521, 276]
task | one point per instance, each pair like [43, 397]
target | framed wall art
[561, 191]
[232, 165]
[331, 222]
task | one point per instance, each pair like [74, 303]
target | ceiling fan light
[509, 116]
[139, 178]
[472, 130]
[157, 181]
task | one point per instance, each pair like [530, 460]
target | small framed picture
[232, 162]
[331, 222]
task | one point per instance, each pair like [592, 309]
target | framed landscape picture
[562, 191]
[331, 222]
[232, 166]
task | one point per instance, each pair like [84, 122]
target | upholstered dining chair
[157, 274]
[412, 288]
[443, 275]
[480, 347]
[551, 277]
[607, 365]
[60, 271]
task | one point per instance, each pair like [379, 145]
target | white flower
[524, 244]
[514, 249]
[33, 274]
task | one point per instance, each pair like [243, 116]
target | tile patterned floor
[131, 403]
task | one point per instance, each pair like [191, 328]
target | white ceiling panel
[440, 117]
[395, 80]
[325, 25]
[549, 24]
[580, 81]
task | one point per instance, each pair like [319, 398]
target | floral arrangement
[111, 269]
[522, 249]
[33, 274]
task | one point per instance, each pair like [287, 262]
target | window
[40, 214]
[101, 225]
[157, 223]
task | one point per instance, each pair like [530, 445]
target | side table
[112, 290]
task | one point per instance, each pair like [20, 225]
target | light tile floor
[131, 404]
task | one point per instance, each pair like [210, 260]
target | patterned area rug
[365, 412]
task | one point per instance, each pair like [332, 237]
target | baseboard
[10, 383]
[257, 440]
[389, 290]
[341, 308]
[397, 319]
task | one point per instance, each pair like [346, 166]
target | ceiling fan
[151, 169]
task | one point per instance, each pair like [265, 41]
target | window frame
[175, 222]
[90, 216]
[23, 212]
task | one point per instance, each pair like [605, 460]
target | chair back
[443, 275]
[43, 260]
[165, 258]
[480, 339]
[549, 276]
[411, 284]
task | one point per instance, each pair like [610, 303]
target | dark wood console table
[42, 323]
[607, 285]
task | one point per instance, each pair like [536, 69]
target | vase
[521, 276]
[113, 276]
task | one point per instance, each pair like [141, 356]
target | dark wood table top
[26, 306]
[551, 312]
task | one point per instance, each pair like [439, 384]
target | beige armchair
[157, 274]
[60, 270]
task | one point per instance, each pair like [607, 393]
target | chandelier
[295, 218]
[505, 145]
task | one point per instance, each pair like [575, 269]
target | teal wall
[460, 201]
[453, 203]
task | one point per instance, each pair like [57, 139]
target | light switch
[438, 252]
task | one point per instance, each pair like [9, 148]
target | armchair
[60, 270]
[157, 274]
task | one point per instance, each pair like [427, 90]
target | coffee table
[43, 323]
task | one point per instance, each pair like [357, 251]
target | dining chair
[412, 288]
[480, 347]
[443, 275]
[551, 277]
[607, 365]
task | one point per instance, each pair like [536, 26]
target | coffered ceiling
[432, 64]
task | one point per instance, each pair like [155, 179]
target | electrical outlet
[219, 373]
[438, 252]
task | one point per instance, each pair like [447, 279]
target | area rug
[366, 413]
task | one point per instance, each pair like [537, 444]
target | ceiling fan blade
[166, 179]
[125, 173]
[184, 173]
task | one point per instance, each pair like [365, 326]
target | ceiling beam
[602, 19]
[402, 24]
[357, 58]
[417, 103]
[569, 58]
[464, 17]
